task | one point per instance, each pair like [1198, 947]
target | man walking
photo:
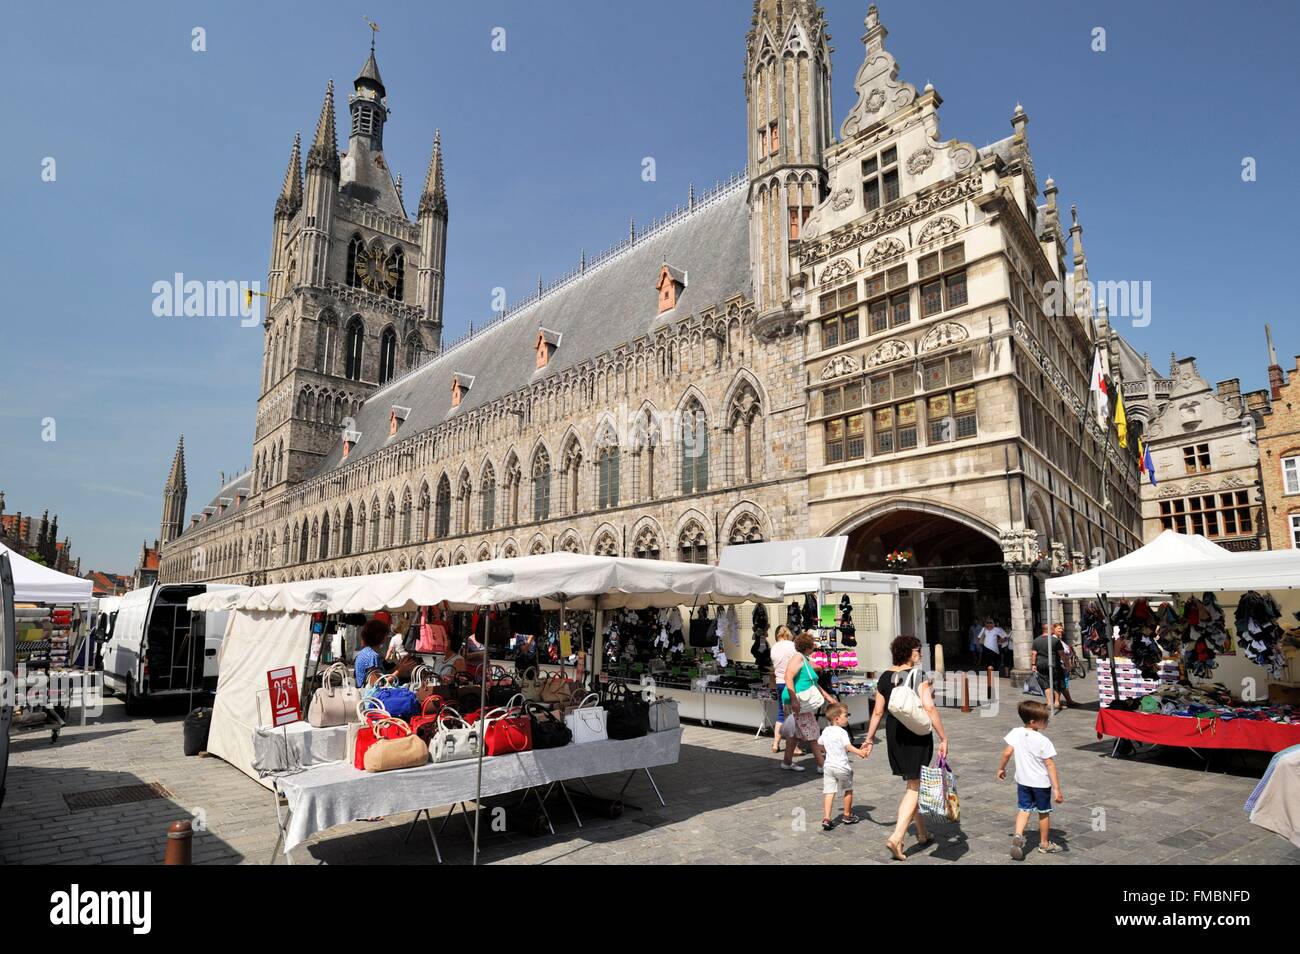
[992, 639]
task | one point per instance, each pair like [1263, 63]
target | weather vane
[374, 28]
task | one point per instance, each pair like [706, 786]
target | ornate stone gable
[879, 91]
[812, 252]
[1193, 406]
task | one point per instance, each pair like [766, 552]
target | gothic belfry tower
[355, 286]
[788, 108]
[174, 494]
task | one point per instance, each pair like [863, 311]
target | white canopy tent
[1124, 574]
[270, 625]
[1228, 573]
[34, 583]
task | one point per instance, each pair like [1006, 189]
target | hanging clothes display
[1258, 632]
[848, 632]
[760, 649]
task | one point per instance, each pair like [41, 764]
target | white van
[154, 646]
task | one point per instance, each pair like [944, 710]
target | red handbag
[379, 725]
[428, 718]
[506, 731]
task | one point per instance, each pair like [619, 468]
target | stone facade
[684, 390]
[1204, 447]
[1279, 458]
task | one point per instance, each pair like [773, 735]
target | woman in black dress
[908, 751]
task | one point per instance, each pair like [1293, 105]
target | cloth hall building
[855, 336]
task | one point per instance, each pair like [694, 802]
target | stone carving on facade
[841, 199]
[888, 351]
[837, 270]
[1232, 480]
[943, 334]
[812, 252]
[876, 83]
[1019, 549]
[882, 251]
[839, 365]
[920, 160]
[937, 228]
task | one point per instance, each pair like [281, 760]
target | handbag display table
[1190, 733]
[335, 794]
[297, 745]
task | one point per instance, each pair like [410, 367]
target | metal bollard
[965, 692]
[990, 682]
[180, 844]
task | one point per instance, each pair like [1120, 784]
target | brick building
[1279, 455]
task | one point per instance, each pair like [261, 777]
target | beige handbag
[531, 685]
[330, 704]
[557, 688]
[387, 755]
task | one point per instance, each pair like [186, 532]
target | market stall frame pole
[482, 705]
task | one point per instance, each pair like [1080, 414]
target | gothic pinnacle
[434, 196]
[290, 199]
[324, 152]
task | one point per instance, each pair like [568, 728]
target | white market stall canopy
[1124, 576]
[1230, 573]
[816, 555]
[34, 583]
[579, 582]
[849, 582]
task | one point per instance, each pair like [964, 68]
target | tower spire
[324, 152]
[434, 196]
[174, 494]
[290, 200]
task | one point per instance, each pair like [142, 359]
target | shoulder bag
[629, 713]
[507, 730]
[333, 705]
[810, 697]
[455, 739]
[587, 722]
[396, 748]
[905, 705]
[530, 686]
[549, 731]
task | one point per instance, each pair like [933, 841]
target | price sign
[283, 684]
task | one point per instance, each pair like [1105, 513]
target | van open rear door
[8, 672]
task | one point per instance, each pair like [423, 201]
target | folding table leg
[542, 802]
[653, 785]
[414, 821]
[572, 807]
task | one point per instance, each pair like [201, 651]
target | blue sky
[170, 160]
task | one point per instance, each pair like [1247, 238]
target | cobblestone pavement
[727, 803]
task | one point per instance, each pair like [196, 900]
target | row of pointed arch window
[354, 350]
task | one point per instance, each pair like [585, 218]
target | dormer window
[350, 439]
[396, 415]
[547, 342]
[460, 384]
[671, 282]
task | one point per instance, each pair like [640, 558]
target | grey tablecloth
[297, 745]
[335, 794]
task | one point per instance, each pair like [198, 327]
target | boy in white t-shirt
[838, 776]
[1037, 782]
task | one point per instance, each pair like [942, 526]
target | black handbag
[549, 731]
[704, 631]
[502, 687]
[628, 713]
[468, 694]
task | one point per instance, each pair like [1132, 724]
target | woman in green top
[800, 676]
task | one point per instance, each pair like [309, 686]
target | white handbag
[587, 722]
[455, 739]
[905, 706]
[330, 704]
[665, 714]
[811, 697]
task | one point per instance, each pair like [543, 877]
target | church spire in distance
[434, 196]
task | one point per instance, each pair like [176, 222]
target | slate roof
[614, 302]
[241, 485]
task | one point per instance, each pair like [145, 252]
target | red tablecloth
[1183, 731]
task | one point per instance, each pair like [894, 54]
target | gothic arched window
[414, 350]
[345, 542]
[397, 265]
[646, 545]
[387, 355]
[423, 522]
[488, 499]
[356, 346]
[442, 509]
[326, 338]
[542, 485]
[324, 551]
[742, 432]
[374, 523]
[406, 516]
[355, 248]
[693, 544]
[695, 449]
[607, 477]
[464, 500]
[390, 519]
[304, 541]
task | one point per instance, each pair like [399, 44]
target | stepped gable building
[1204, 445]
[851, 337]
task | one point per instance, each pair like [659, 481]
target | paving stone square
[727, 803]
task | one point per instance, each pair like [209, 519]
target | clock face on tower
[376, 271]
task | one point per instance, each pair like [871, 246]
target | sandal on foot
[827, 824]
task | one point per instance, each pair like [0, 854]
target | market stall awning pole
[481, 722]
